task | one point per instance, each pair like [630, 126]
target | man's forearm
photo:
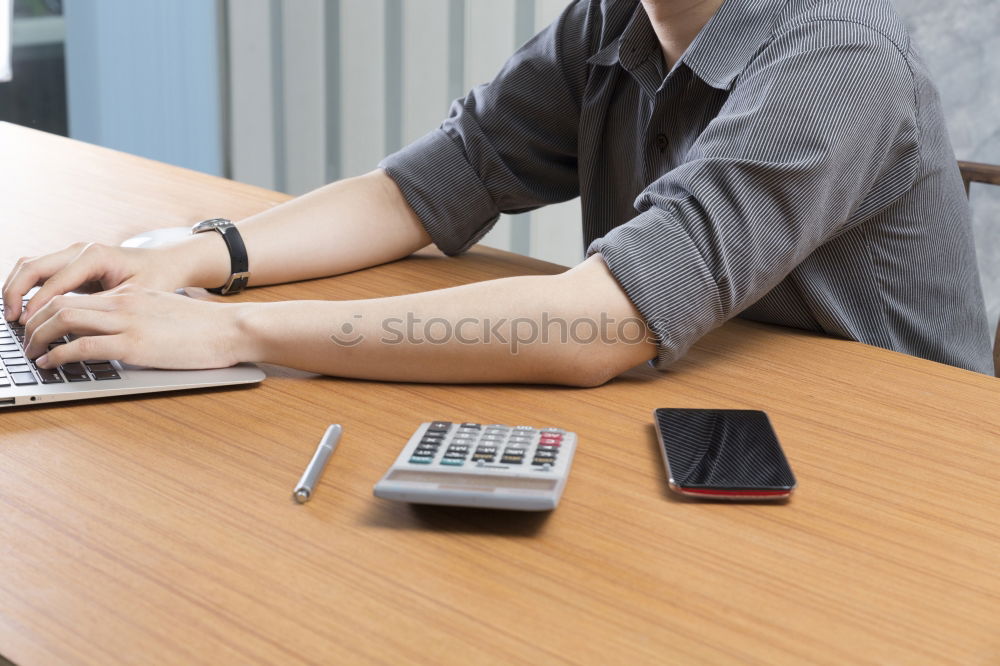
[340, 227]
[576, 328]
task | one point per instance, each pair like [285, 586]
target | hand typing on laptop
[90, 267]
[136, 325]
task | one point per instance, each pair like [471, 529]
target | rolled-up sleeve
[824, 111]
[509, 146]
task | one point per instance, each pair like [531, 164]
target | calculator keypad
[455, 445]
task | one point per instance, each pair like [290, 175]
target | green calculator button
[457, 462]
[421, 460]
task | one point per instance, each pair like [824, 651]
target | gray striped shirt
[793, 168]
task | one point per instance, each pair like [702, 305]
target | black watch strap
[239, 265]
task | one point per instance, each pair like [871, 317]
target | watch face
[214, 223]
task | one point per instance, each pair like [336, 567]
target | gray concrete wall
[960, 41]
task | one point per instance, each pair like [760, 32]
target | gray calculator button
[524, 428]
[519, 440]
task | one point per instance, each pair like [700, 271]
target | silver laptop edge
[133, 380]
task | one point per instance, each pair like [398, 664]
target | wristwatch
[239, 273]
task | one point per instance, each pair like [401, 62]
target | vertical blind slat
[304, 113]
[362, 76]
[251, 116]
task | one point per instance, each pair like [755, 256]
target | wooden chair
[976, 172]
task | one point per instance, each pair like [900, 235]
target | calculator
[489, 466]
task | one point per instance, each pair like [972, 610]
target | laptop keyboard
[16, 369]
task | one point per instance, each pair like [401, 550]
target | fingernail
[42, 361]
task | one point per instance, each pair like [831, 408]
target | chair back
[977, 172]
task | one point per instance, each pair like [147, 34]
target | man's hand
[88, 267]
[135, 325]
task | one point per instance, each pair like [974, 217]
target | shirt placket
[661, 132]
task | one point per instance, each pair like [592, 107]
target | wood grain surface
[161, 529]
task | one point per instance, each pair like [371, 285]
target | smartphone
[730, 454]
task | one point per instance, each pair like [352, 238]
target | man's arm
[340, 227]
[817, 136]
[577, 328]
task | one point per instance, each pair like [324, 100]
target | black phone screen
[726, 453]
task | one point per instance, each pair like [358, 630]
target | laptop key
[105, 374]
[75, 372]
[22, 378]
[49, 376]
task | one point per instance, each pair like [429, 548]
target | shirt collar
[718, 54]
[730, 40]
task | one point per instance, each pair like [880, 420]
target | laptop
[22, 383]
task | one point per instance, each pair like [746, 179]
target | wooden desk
[162, 530]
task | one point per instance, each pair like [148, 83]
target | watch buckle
[228, 287]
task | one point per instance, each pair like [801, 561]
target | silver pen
[304, 489]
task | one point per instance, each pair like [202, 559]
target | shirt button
[662, 142]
